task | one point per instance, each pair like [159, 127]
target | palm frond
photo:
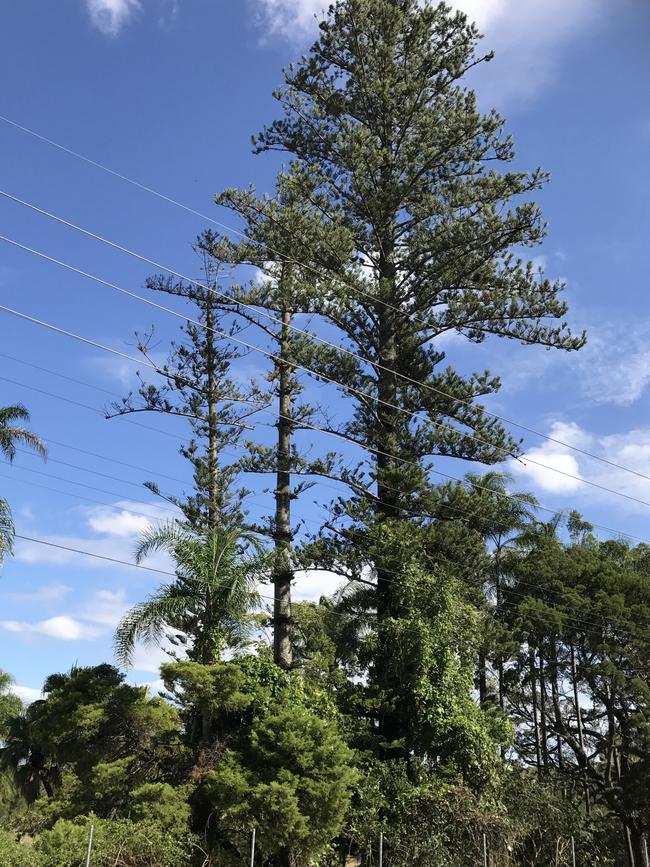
[6, 529]
[148, 621]
[159, 537]
[11, 435]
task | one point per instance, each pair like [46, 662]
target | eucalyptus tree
[379, 110]
[582, 611]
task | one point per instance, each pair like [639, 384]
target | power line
[74, 495]
[64, 376]
[274, 357]
[318, 272]
[347, 531]
[94, 488]
[91, 554]
[305, 425]
[575, 622]
[87, 470]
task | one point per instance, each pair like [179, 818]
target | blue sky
[169, 92]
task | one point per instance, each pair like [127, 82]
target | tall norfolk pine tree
[276, 231]
[196, 385]
[380, 112]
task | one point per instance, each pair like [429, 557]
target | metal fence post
[253, 849]
[485, 851]
[381, 849]
[89, 848]
[573, 851]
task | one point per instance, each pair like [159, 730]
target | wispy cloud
[117, 528]
[615, 364]
[295, 20]
[63, 628]
[45, 593]
[110, 16]
[106, 607]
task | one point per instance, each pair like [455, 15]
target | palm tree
[10, 435]
[212, 598]
[506, 519]
[6, 529]
[33, 771]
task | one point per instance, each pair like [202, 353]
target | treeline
[483, 676]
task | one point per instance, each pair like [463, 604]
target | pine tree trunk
[387, 444]
[282, 573]
[212, 399]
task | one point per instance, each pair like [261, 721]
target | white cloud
[106, 607]
[555, 457]
[291, 19]
[630, 449]
[528, 37]
[63, 628]
[110, 16]
[311, 584]
[27, 694]
[544, 476]
[122, 523]
[45, 593]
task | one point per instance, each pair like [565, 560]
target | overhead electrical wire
[346, 530]
[576, 622]
[379, 301]
[547, 509]
[275, 357]
[318, 272]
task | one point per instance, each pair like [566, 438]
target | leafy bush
[117, 843]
